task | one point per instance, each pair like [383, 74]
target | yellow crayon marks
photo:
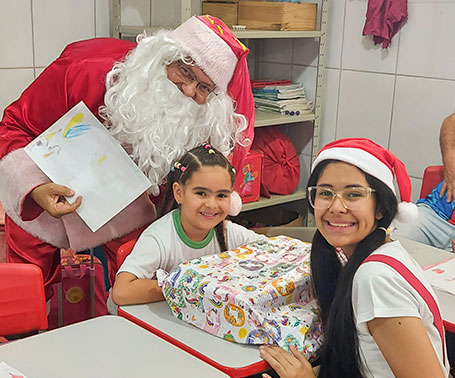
[75, 121]
[101, 159]
[50, 135]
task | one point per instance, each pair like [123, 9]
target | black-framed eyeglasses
[188, 77]
[353, 198]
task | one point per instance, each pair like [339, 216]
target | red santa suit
[78, 74]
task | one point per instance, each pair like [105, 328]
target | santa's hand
[50, 197]
[287, 365]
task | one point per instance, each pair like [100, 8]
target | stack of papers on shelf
[285, 99]
[442, 275]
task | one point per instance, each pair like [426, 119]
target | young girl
[201, 184]
[380, 316]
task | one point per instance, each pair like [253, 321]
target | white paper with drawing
[79, 152]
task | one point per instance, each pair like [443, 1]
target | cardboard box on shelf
[248, 181]
[225, 11]
[265, 15]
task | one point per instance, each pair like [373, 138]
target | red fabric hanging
[384, 18]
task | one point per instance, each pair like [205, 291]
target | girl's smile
[341, 227]
[204, 199]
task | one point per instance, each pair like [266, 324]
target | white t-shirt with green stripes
[164, 245]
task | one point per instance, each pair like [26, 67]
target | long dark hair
[186, 167]
[340, 356]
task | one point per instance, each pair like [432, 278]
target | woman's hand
[50, 197]
[287, 365]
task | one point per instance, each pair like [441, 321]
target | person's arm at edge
[405, 345]
[447, 144]
[128, 289]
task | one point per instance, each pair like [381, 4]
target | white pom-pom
[236, 204]
[407, 212]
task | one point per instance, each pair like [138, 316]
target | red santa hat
[378, 162]
[216, 50]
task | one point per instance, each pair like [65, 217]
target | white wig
[153, 120]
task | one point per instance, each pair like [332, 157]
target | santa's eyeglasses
[188, 76]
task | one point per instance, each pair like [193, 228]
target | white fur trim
[361, 159]
[407, 212]
[210, 53]
[139, 213]
[70, 231]
[19, 175]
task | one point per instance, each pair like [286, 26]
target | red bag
[74, 297]
[281, 166]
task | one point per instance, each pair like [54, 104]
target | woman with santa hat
[380, 316]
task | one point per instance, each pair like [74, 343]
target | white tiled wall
[34, 32]
[397, 96]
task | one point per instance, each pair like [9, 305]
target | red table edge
[232, 372]
[450, 327]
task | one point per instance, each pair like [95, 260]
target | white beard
[154, 121]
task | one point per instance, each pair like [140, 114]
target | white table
[104, 347]
[236, 360]
[426, 255]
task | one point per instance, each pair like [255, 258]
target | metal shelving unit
[263, 118]
[274, 199]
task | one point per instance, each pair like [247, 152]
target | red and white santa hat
[216, 50]
[378, 162]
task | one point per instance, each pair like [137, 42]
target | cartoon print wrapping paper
[260, 293]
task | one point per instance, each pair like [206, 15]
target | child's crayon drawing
[75, 128]
[78, 151]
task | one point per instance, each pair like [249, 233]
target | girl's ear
[379, 214]
[177, 190]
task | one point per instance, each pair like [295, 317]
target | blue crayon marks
[75, 128]
[76, 131]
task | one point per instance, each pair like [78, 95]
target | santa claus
[159, 98]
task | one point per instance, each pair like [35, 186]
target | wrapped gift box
[260, 293]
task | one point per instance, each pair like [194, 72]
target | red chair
[432, 176]
[22, 300]
[124, 250]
